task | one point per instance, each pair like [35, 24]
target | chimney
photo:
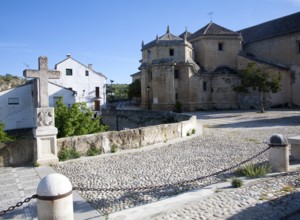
[68, 55]
[90, 66]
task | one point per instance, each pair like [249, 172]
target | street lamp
[148, 93]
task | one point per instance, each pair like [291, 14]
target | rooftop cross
[210, 14]
[42, 74]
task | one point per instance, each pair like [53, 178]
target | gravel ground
[216, 149]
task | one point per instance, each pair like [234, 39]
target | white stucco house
[17, 104]
[89, 85]
[78, 83]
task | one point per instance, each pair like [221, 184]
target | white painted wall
[55, 92]
[18, 115]
[85, 86]
[22, 115]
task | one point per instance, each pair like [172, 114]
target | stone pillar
[54, 198]
[45, 134]
[279, 153]
[295, 147]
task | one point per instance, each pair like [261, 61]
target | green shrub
[253, 171]
[114, 148]
[236, 183]
[77, 120]
[93, 151]
[193, 131]
[3, 136]
[68, 153]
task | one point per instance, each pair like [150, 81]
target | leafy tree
[78, 120]
[257, 79]
[3, 136]
[135, 89]
[116, 92]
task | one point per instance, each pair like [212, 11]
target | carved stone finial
[168, 30]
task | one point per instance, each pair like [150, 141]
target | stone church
[200, 70]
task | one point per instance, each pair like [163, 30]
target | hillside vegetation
[9, 81]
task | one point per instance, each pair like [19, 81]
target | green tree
[260, 80]
[3, 136]
[78, 120]
[134, 89]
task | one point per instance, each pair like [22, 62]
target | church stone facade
[199, 70]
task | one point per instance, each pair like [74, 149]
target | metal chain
[184, 182]
[19, 204]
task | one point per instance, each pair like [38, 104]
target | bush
[68, 154]
[93, 151]
[78, 120]
[3, 136]
[193, 131]
[114, 148]
[236, 183]
[254, 171]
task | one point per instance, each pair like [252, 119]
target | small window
[171, 51]
[176, 74]
[298, 47]
[220, 46]
[148, 54]
[13, 101]
[176, 96]
[97, 92]
[69, 72]
[87, 73]
[204, 86]
[149, 75]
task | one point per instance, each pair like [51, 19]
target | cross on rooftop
[42, 74]
[210, 14]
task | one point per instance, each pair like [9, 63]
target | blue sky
[108, 33]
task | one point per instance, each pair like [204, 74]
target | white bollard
[279, 153]
[54, 198]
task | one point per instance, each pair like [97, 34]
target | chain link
[19, 204]
[180, 183]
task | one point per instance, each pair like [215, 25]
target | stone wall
[22, 151]
[17, 152]
[132, 138]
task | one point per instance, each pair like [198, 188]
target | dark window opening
[87, 73]
[171, 51]
[299, 47]
[176, 96]
[176, 74]
[220, 46]
[13, 101]
[97, 92]
[149, 75]
[69, 72]
[148, 54]
[204, 86]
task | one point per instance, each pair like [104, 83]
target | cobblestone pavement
[16, 184]
[228, 139]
